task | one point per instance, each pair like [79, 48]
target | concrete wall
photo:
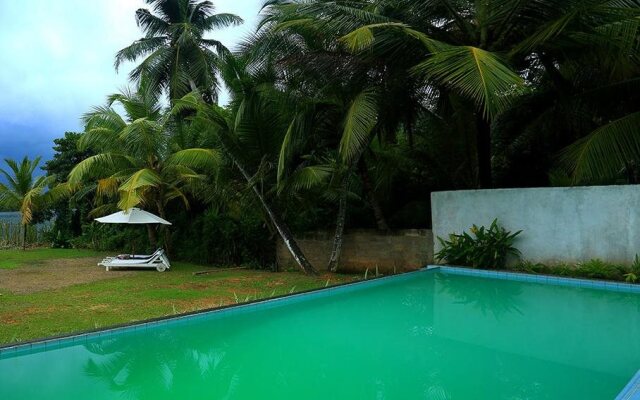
[559, 224]
[404, 250]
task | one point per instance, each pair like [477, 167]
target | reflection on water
[430, 336]
[498, 299]
[162, 365]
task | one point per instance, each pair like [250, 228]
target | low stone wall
[403, 250]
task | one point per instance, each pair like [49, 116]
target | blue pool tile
[551, 280]
[632, 390]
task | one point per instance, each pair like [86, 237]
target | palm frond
[605, 151]
[477, 74]
[132, 190]
[306, 178]
[99, 165]
[209, 159]
[360, 120]
[138, 49]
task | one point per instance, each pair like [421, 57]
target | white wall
[559, 224]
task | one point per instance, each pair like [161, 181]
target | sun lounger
[157, 260]
[133, 256]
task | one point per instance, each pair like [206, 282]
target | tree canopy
[350, 113]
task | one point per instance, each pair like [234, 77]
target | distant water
[12, 216]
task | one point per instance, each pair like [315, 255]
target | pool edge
[632, 390]
[536, 278]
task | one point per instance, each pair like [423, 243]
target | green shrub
[482, 248]
[221, 239]
[592, 269]
[108, 237]
[633, 274]
[598, 269]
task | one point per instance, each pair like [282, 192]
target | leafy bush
[221, 239]
[598, 269]
[633, 274]
[106, 237]
[483, 248]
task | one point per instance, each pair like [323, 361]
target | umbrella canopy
[133, 216]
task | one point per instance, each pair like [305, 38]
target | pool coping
[538, 278]
[58, 341]
[632, 390]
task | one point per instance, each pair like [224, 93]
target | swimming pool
[434, 334]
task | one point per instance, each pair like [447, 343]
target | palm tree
[219, 123]
[249, 133]
[327, 137]
[23, 192]
[466, 54]
[132, 153]
[177, 58]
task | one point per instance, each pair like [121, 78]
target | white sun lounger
[157, 260]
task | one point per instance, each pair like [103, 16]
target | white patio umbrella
[133, 216]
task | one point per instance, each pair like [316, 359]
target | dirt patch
[55, 274]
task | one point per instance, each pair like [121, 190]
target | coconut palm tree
[222, 125]
[248, 133]
[23, 191]
[176, 57]
[132, 151]
[477, 55]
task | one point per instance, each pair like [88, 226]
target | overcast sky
[56, 62]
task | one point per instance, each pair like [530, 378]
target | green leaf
[476, 74]
[361, 118]
[132, 189]
[605, 151]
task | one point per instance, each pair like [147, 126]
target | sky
[56, 62]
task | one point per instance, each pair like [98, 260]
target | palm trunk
[153, 235]
[483, 143]
[338, 238]
[165, 229]
[381, 221]
[24, 237]
[278, 222]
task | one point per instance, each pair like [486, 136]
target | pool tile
[632, 390]
[551, 280]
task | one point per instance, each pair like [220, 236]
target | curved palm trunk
[278, 222]
[338, 238]
[381, 221]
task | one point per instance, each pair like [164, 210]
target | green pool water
[428, 335]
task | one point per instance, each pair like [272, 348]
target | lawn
[14, 258]
[117, 297]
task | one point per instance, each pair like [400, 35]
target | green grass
[10, 259]
[143, 295]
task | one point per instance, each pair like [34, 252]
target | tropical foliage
[486, 248]
[177, 58]
[23, 191]
[349, 113]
